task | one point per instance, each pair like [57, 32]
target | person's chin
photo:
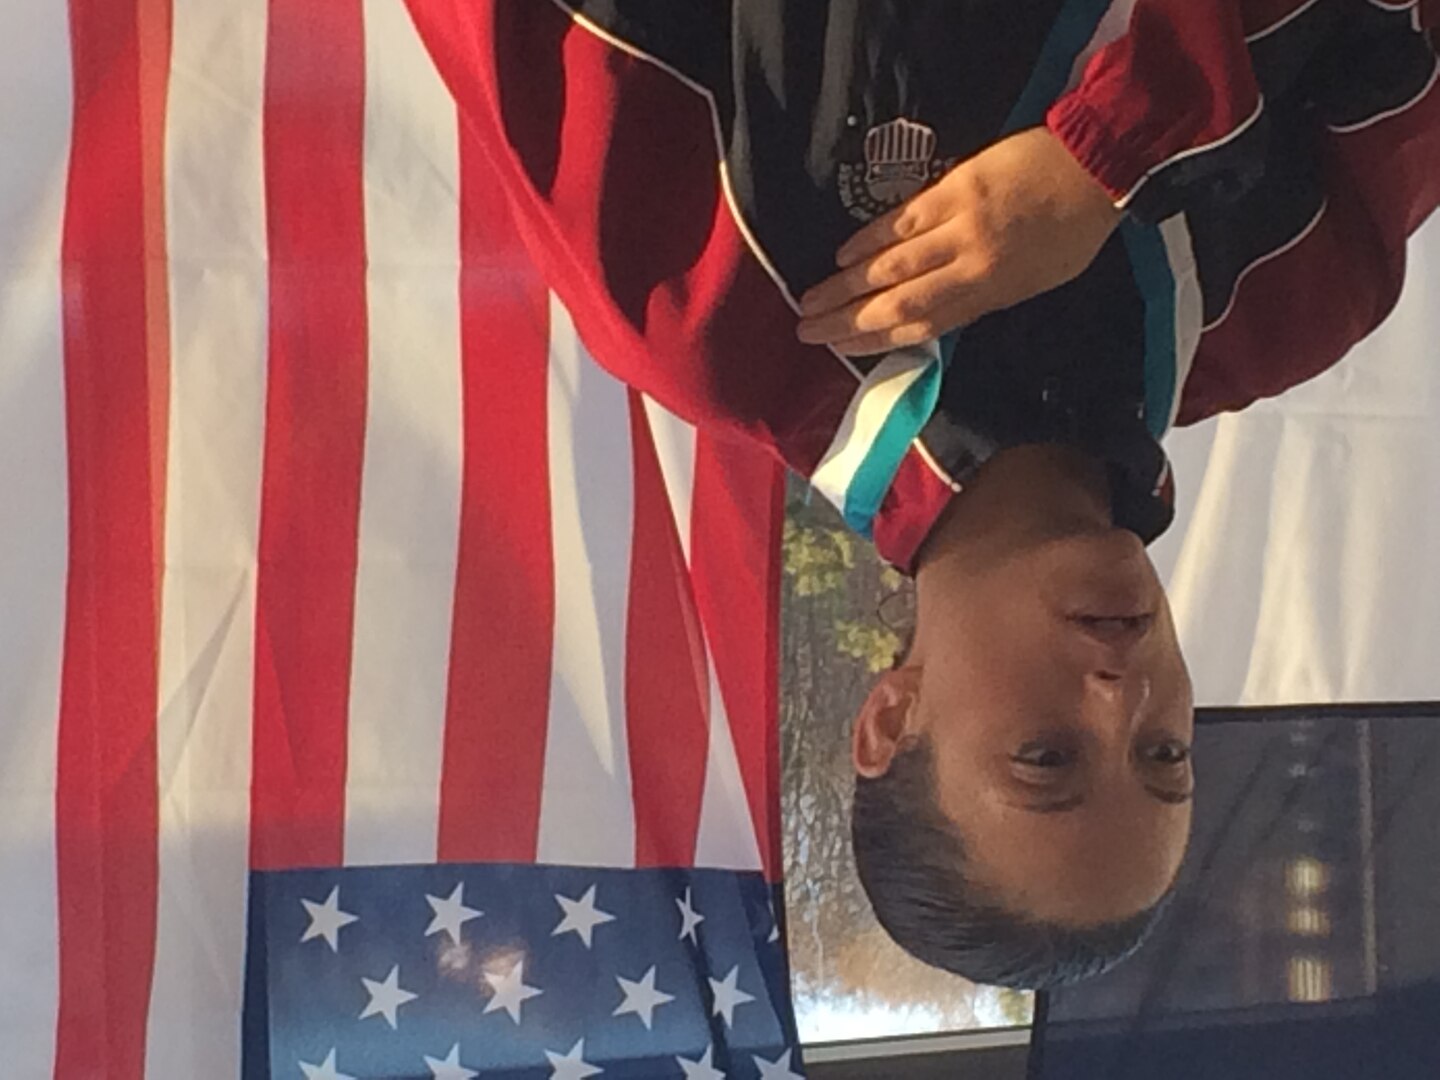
[1106, 574]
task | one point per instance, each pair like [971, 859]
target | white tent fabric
[1303, 561]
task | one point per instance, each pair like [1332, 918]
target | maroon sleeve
[1299, 309]
[610, 163]
[1167, 101]
[1175, 108]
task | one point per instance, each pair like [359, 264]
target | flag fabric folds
[375, 667]
[517, 971]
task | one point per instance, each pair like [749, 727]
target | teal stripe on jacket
[1150, 263]
[876, 473]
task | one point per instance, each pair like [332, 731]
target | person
[961, 265]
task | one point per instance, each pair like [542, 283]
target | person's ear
[886, 722]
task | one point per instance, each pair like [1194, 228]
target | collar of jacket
[968, 429]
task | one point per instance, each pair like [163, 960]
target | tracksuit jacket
[682, 170]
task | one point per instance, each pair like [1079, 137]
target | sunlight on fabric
[586, 814]
[726, 838]
[675, 446]
[410, 495]
[217, 287]
[34, 68]
[1301, 562]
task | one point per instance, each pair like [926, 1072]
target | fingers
[904, 315]
[892, 266]
[919, 215]
[885, 340]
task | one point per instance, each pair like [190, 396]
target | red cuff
[1116, 166]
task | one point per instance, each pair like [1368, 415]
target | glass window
[844, 618]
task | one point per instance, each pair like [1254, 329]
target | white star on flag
[581, 916]
[326, 920]
[571, 1066]
[325, 1070]
[641, 998]
[510, 991]
[779, 1069]
[728, 995]
[386, 997]
[451, 913]
[689, 919]
[449, 1068]
[704, 1069]
[774, 934]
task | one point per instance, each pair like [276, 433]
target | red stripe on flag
[314, 430]
[500, 653]
[735, 528]
[666, 683]
[116, 377]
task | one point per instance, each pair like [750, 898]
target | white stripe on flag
[675, 447]
[35, 106]
[215, 222]
[1189, 303]
[586, 811]
[726, 837]
[410, 493]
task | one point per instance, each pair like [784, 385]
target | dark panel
[1304, 941]
[995, 1063]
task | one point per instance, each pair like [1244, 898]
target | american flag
[520, 971]
[373, 667]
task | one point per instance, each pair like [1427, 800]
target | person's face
[1061, 716]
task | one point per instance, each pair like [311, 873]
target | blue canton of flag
[518, 972]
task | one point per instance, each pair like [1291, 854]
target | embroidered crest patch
[899, 161]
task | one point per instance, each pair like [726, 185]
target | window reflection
[1309, 922]
[1309, 979]
[1305, 877]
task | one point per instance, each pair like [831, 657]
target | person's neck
[1022, 495]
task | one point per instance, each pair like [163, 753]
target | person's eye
[1042, 757]
[1169, 753]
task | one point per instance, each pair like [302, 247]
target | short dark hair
[912, 864]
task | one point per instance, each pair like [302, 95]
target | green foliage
[817, 559]
[873, 645]
[1017, 1006]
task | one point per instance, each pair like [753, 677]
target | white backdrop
[1303, 560]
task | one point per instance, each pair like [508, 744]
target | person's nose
[1121, 694]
